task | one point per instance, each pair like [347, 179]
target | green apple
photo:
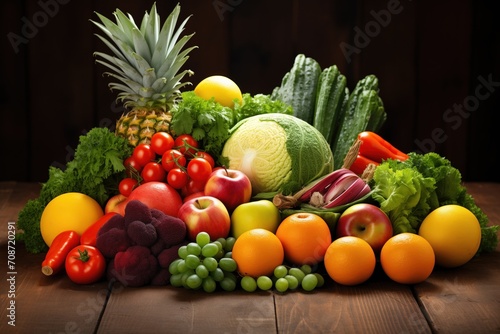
[257, 214]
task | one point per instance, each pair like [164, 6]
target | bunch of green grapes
[204, 264]
[284, 279]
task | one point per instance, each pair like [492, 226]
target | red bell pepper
[359, 165]
[89, 236]
[374, 149]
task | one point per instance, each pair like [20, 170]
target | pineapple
[146, 61]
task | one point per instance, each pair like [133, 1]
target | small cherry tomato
[85, 264]
[172, 159]
[153, 171]
[206, 156]
[186, 144]
[161, 142]
[199, 169]
[132, 167]
[126, 186]
[177, 178]
[143, 153]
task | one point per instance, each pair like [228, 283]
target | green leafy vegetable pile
[408, 191]
[96, 170]
[209, 122]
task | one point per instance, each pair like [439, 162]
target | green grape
[172, 268]
[293, 283]
[309, 282]
[230, 276]
[281, 284]
[208, 284]
[229, 254]
[210, 250]
[192, 261]
[264, 283]
[248, 283]
[202, 238]
[280, 271]
[299, 274]
[229, 244]
[176, 280]
[219, 244]
[210, 263]
[185, 276]
[227, 264]
[222, 242]
[181, 266]
[306, 269]
[182, 251]
[228, 284]
[202, 271]
[193, 281]
[217, 274]
[321, 280]
[193, 248]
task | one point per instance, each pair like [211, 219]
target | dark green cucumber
[377, 118]
[298, 87]
[329, 101]
[358, 111]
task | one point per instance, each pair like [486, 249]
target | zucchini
[298, 87]
[329, 101]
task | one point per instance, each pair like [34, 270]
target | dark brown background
[429, 57]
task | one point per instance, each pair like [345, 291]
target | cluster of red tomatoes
[177, 161]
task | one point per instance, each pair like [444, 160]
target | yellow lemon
[221, 88]
[69, 211]
[454, 233]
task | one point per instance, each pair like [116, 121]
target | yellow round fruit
[221, 88]
[69, 211]
[453, 232]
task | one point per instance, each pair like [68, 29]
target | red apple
[365, 221]
[113, 202]
[207, 214]
[156, 195]
[231, 186]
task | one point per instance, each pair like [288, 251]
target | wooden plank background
[434, 61]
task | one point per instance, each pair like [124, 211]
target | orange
[221, 88]
[407, 258]
[350, 260]
[257, 252]
[305, 238]
[454, 234]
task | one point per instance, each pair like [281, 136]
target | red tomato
[172, 159]
[186, 144]
[153, 171]
[177, 178]
[143, 153]
[85, 264]
[126, 186]
[161, 142]
[132, 167]
[206, 156]
[192, 187]
[199, 169]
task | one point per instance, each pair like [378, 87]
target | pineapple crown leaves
[146, 60]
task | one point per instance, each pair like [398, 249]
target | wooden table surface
[460, 300]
